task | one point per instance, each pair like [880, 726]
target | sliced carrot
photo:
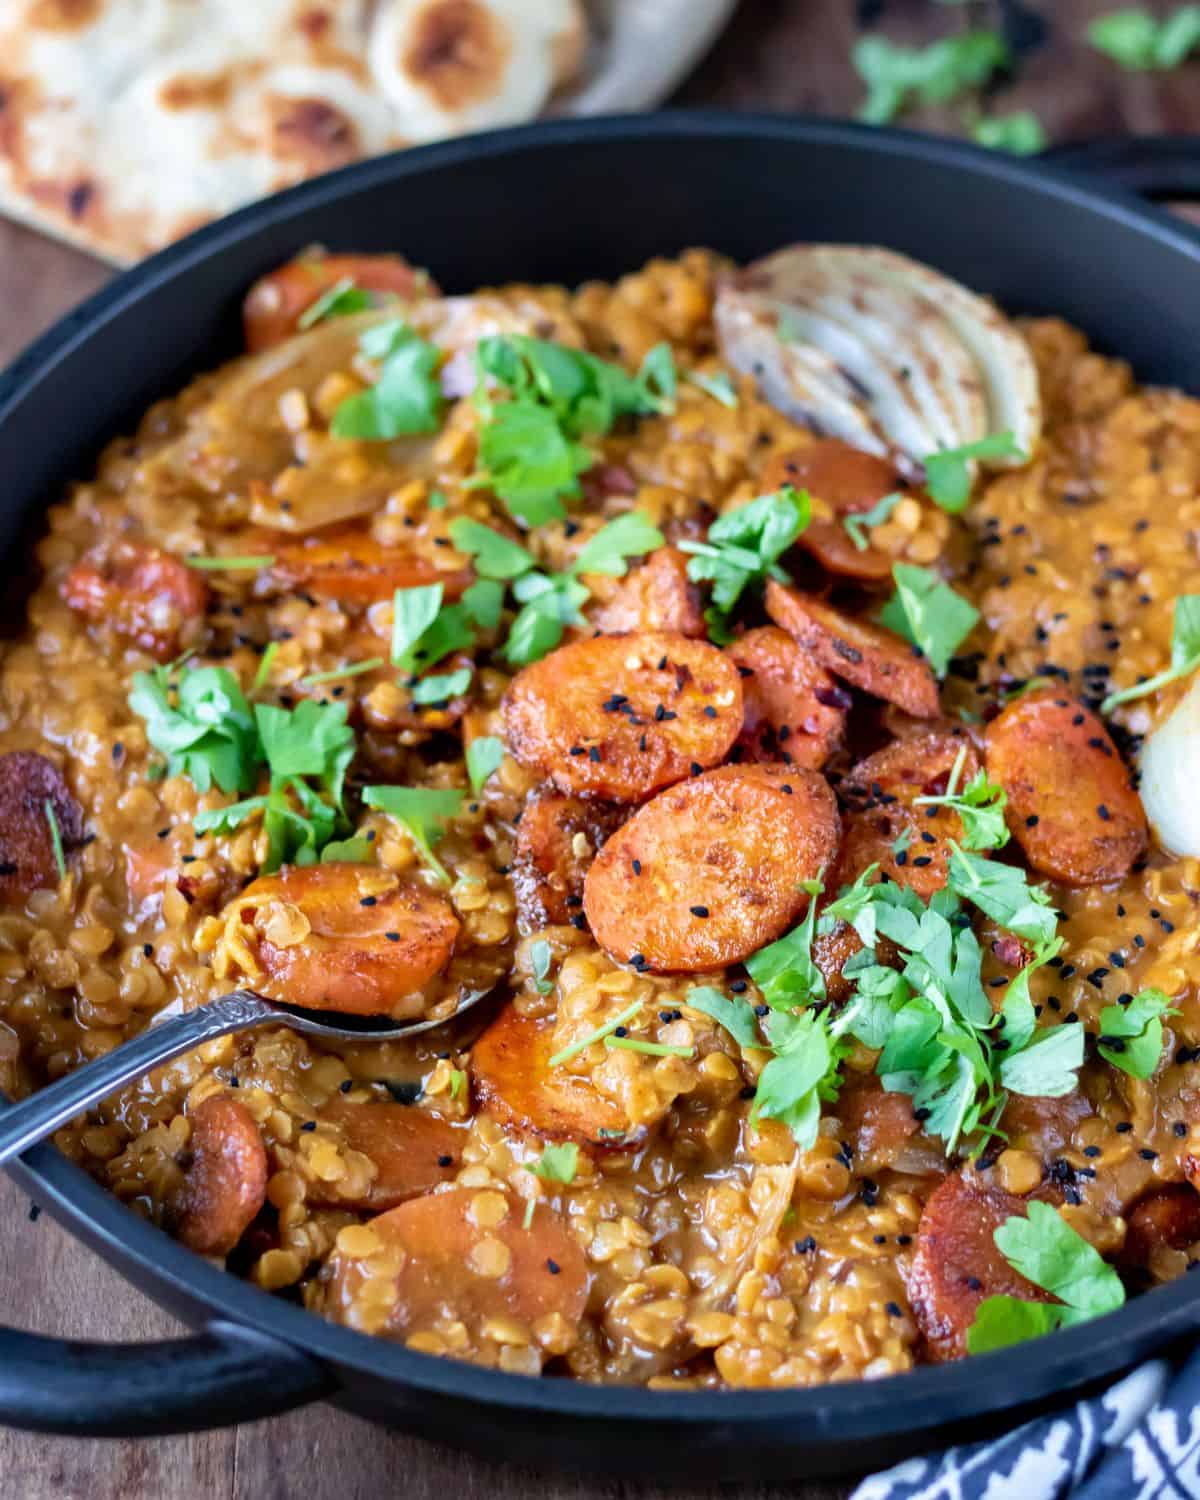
[711, 870]
[444, 1258]
[849, 481]
[622, 715]
[513, 1080]
[911, 844]
[862, 654]
[349, 565]
[957, 1263]
[225, 1183]
[276, 302]
[557, 839]
[413, 1152]
[347, 937]
[794, 711]
[28, 781]
[1072, 806]
[658, 595]
[143, 593]
[875, 1124]
[1165, 1218]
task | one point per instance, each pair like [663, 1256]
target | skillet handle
[1164, 168]
[217, 1378]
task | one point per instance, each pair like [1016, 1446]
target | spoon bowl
[25, 1124]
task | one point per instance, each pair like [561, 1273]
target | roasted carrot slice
[143, 593]
[848, 481]
[346, 937]
[711, 870]
[957, 1264]
[225, 1181]
[513, 1080]
[461, 1256]
[1072, 806]
[349, 565]
[911, 844]
[1165, 1218]
[557, 838]
[275, 304]
[875, 1125]
[28, 782]
[793, 711]
[413, 1151]
[622, 715]
[862, 654]
[658, 595]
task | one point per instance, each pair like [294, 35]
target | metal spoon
[25, 1124]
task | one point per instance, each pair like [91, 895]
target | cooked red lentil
[666, 1153]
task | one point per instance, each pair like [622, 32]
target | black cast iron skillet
[562, 202]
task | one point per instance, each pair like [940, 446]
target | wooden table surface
[777, 54]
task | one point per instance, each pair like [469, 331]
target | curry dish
[654, 659]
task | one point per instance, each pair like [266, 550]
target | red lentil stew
[775, 685]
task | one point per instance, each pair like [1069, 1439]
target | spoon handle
[23, 1125]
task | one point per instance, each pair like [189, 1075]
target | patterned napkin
[1140, 1440]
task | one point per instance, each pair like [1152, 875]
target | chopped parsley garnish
[980, 805]
[1185, 654]
[1056, 1258]
[1020, 133]
[1131, 1036]
[1003, 893]
[540, 956]
[1139, 40]
[56, 842]
[245, 564]
[859, 522]
[341, 300]
[948, 475]
[413, 612]
[531, 446]
[936, 74]
[928, 612]
[495, 556]
[743, 548]
[718, 386]
[484, 755]
[203, 726]
[406, 398]
[584, 1042]
[732, 1012]
[424, 812]
[608, 552]
[558, 1162]
[442, 689]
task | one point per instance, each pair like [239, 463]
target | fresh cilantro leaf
[657, 380]
[207, 733]
[312, 739]
[1131, 1036]
[1020, 133]
[980, 806]
[785, 971]
[354, 851]
[1185, 654]
[718, 386]
[558, 1162]
[495, 556]
[1003, 893]
[879, 994]
[855, 904]
[405, 399]
[530, 462]
[483, 603]
[341, 300]
[442, 689]
[484, 755]
[413, 612]
[1002, 1321]
[744, 544]
[857, 523]
[948, 476]
[1048, 1066]
[424, 811]
[732, 1012]
[630, 535]
[928, 612]
[936, 74]
[550, 604]
[539, 964]
[803, 1071]
[1138, 40]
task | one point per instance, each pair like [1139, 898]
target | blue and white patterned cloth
[1140, 1440]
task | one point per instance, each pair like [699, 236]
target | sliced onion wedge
[1169, 763]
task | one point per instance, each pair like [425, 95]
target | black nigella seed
[445, 1161]
[698, 911]
[369, 901]
[309, 1126]
[553, 1267]
[1147, 1154]
[805, 1246]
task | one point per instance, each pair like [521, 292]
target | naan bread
[126, 123]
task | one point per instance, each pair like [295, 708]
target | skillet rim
[849, 1411]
